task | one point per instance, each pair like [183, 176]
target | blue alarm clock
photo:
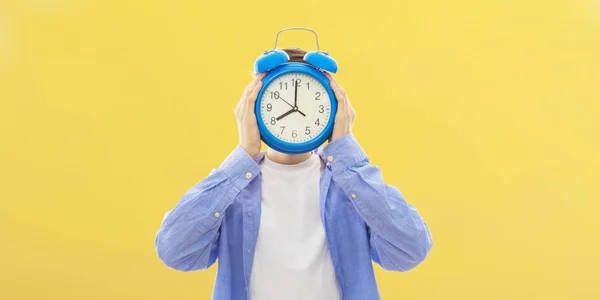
[295, 108]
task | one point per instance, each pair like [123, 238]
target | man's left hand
[344, 117]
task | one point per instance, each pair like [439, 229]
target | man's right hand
[249, 137]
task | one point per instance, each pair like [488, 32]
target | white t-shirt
[292, 260]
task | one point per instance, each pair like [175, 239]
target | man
[301, 226]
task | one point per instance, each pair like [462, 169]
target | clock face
[295, 107]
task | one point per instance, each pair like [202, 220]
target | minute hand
[294, 108]
[296, 94]
[286, 102]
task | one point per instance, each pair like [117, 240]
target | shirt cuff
[240, 167]
[344, 153]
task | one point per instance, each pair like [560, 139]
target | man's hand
[345, 114]
[246, 120]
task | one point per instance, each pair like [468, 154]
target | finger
[346, 99]
[262, 75]
[331, 80]
[350, 108]
[251, 99]
[250, 103]
[338, 96]
[240, 108]
[239, 104]
[334, 85]
[251, 85]
[351, 112]
[346, 109]
[256, 80]
[343, 101]
[328, 76]
[342, 90]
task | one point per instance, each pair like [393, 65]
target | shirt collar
[319, 151]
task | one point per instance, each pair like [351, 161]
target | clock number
[269, 107]
[318, 96]
[308, 86]
[282, 129]
[321, 108]
[294, 133]
[307, 130]
[297, 81]
[273, 121]
[281, 85]
[317, 122]
[274, 95]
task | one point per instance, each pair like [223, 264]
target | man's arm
[399, 238]
[188, 238]
[189, 234]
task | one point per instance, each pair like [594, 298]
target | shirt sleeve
[399, 237]
[188, 237]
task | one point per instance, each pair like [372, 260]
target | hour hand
[285, 114]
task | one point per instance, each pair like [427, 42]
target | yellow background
[484, 113]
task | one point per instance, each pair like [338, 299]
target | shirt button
[249, 214]
[249, 250]
[353, 195]
[248, 175]
[217, 214]
[330, 158]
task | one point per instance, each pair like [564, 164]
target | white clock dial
[295, 115]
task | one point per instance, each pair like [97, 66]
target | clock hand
[286, 102]
[294, 108]
[296, 94]
[285, 114]
[296, 99]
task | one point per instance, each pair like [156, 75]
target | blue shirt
[364, 219]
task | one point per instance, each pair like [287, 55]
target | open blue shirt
[364, 220]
